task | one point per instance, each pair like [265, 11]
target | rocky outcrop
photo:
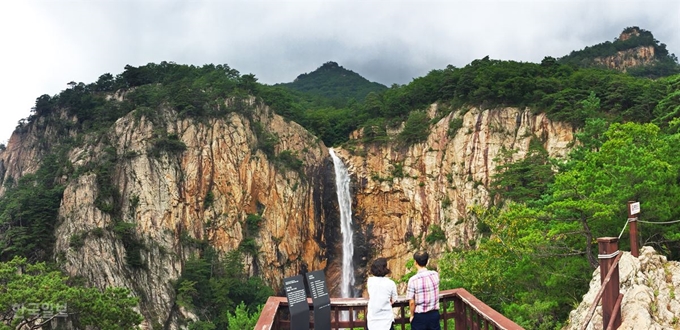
[649, 285]
[404, 195]
[629, 58]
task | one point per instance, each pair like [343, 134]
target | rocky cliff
[423, 195]
[628, 58]
[171, 199]
[649, 286]
[407, 197]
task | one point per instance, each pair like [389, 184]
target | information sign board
[297, 302]
[321, 300]
[634, 208]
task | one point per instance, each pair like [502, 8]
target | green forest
[536, 249]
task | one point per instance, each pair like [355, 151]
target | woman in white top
[382, 292]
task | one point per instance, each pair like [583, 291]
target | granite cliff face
[171, 199]
[403, 195]
[628, 58]
[163, 197]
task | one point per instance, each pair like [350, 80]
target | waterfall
[345, 205]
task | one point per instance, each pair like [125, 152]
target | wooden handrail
[612, 319]
[598, 296]
[468, 313]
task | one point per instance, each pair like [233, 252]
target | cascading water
[345, 205]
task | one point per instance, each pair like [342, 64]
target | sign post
[633, 210]
[321, 300]
[297, 302]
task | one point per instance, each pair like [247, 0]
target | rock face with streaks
[628, 58]
[173, 198]
[404, 195]
[182, 180]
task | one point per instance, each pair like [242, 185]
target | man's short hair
[421, 258]
[379, 267]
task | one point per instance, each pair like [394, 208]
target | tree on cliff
[33, 295]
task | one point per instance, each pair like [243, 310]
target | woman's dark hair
[379, 267]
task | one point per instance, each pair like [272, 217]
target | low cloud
[48, 44]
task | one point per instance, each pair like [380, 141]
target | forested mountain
[635, 51]
[197, 189]
[334, 82]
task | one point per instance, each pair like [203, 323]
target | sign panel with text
[297, 302]
[634, 208]
[318, 289]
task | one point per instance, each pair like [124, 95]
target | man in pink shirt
[423, 295]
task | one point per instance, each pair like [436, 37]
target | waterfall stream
[345, 205]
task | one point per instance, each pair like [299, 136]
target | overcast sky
[46, 44]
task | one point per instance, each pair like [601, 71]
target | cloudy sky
[46, 44]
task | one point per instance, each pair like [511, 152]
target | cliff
[169, 200]
[648, 285]
[629, 58]
[163, 199]
[404, 195]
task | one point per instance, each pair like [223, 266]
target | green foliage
[290, 160]
[436, 234]
[214, 288]
[242, 319]
[23, 284]
[108, 197]
[454, 125]
[170, 144]
[416, 128]
[77, 240]
[397, 170]
[635, 162]
[266, 141]
[209, 199]
[525, 179]
[665, 64]
[336, 83]
[534, 260]
[518, 269]
[28, 213]
[126, 232]
[253, 223]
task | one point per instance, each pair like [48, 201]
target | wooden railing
[459, 310]
[609, 288]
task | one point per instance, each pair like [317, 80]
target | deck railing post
[459, 313]
[608, 250]
[632, 220]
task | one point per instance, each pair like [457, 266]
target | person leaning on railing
[423, 295]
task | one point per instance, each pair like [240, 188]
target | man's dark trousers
[426, 321]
